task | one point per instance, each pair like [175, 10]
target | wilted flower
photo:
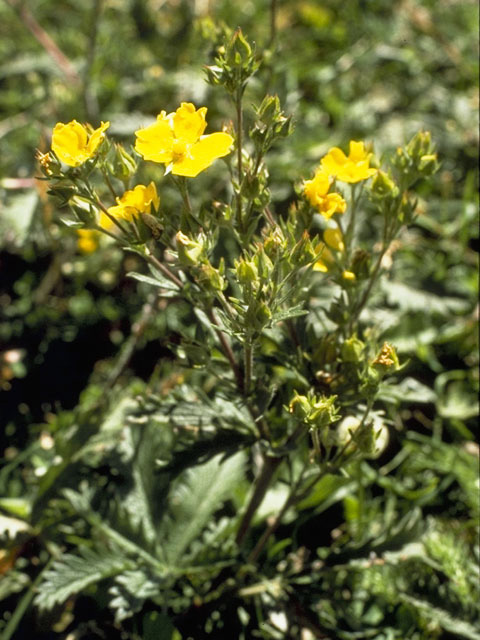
[351, 168]
[316, 191]
[73, 144]
[136, 201]
[176, 140]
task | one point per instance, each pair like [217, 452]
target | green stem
[182, 187]
[238, 105]
[108, 182]
[149, 257]
[270, 464]
[23, 605]
[262, 483]
[273, 526]
[248, 360]
[227, 350]
[351, 223]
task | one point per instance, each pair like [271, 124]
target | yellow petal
[203, 153]
[69, 142]
[189, 124]
[357, 151]
[156, 141]
[97, 137]
[333, 161]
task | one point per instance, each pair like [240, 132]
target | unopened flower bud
[189, 251]
[428, 164]
[352, 350]
[246, 271]
[324, 412]
[124, 165]
[210, 277]
[262, 315]
[299, 407]
[382, 185]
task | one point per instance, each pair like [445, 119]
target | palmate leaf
[195, 496]
[72, 573]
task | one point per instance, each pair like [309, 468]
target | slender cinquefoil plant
[280, 375]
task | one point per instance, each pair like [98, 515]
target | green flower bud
[262, 315]
[369, 384]
[383, 186]
[372, 439]
[303, 252]
[124, 165]
[246, 271]
[352, 350]
[428, 164]
[299, 407]
[324, 412]
[269, 110]
[210, 277]
[274, 244]
[238, 50]
[419, 145]
[190, 252]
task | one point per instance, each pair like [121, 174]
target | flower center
[179, 150]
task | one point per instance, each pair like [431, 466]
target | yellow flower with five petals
[316, 191]
[136, 201]
[352, 168]
[177, 140]
[73, 143]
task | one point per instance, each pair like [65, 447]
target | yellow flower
[353, 168]
[334, 239]
[87, 240]
[325, 259]
[136, 201]
[73, 144]
[177, 140]
[316, 191]
[349, 276]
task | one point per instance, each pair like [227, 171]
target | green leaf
[198, 493]
[408, 390]
[157, 280]
[71, 574]
[294, 312]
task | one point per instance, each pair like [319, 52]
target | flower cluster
[335, 165]
[175, 140]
